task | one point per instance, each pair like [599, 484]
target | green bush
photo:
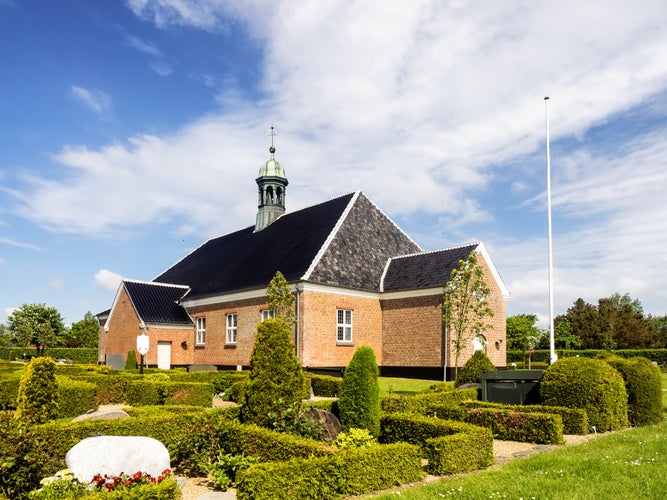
[447, 453]
[589, 384]
[276, 379]
[131, 361]
[325, 385]
[473, 368]
[508, 425]
[643, 383]
[236, 391]
[75, 397]
[657, 355]
[24, 456]
[9, 389]
[158, 392]
[347, 473]
[439, 387]
[575, 420]
[359, 401]
[419, 403]
[37, 399]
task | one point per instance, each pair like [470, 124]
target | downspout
[297, 333]
[445, 345]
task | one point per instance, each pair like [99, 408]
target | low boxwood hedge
[418, 402]
[75, 397]
[508, 425]
[325, 385]
[575, 420]
[346, 473]
[445, 456]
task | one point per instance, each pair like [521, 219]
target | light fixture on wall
[498, 342]
[184, 344]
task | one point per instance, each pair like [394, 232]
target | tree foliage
[276, 380]
[473, 368]
[36, 324]
[281, 299]
[466, 307]
[359, 401]
[84, 333]
[522, 333]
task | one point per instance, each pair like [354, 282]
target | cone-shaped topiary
[359, 401]
[276, 380]
[37, 399]
[644, 385]
[590, 384]
[131, 361]
[473, 368]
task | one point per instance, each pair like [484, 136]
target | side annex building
[358, 280]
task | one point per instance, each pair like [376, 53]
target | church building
[358, 280]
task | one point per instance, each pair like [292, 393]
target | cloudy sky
[131, 132]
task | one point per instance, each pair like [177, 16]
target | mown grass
[390, 385]
[630, 464]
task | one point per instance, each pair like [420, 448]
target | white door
[164, 355]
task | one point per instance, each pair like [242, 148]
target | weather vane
[272, 133]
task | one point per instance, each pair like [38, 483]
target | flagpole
[553, 357]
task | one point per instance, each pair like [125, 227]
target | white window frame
[344, 326]
[200, 337]
[232, 327]
[267, 314]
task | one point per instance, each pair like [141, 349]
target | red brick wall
[412, 331]
[319, 346]
[123, 329]
[216, 350]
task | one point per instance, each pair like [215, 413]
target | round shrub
[276, 380]
[643, 383]
[359, 401]
[473, 368]
[37, 399]
[590, 384]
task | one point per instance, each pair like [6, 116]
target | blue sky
[131, 132]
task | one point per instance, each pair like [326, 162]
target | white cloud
[2, 261]
[142, 46]
[18, 244]
[424, 106]
[5, 313]
[56, 283]
[108, 280]
[95, 100]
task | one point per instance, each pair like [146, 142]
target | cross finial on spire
[272, 133]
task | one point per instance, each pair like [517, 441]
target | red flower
[137, 476]
[166, 472]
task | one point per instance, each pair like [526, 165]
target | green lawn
[630, 464]
[390, 385]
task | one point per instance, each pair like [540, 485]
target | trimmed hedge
[643, 382]
[418, 403]
[359, 401]
[349, 472]
[542, 355]
[473, 368]
[221, 380]
[75, 397]
[575, 420]
[324, 385]
[77, 355]
[447, 453]
[589, 384]
[9, 389]
[508, 425]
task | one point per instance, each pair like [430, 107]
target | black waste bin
[518, 387]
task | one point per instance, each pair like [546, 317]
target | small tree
[37, 399]
[281, 299]
[36, 324]
[359, 401]
[276, 380]
[84, 333]
[473, 368]
[466, 305]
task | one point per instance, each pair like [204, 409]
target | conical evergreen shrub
[276, 380]
[473, 368]
[37, 399]
[359, 401]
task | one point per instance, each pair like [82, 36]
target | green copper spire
[271, 182]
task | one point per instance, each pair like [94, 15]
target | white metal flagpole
[553, 357]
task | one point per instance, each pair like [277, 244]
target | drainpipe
[445, 348]
[297, 335]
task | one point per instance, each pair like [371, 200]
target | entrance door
[164, 355]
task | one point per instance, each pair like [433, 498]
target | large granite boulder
[118, 454]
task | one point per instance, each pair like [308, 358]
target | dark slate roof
[424, 270]
[157, 302]
[247, 260]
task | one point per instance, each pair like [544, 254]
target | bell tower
[271, 183]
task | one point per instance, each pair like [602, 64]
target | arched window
[479, 343]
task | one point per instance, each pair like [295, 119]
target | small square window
[201, 331]
[267, 314]
[343, 325]
[231, 328]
